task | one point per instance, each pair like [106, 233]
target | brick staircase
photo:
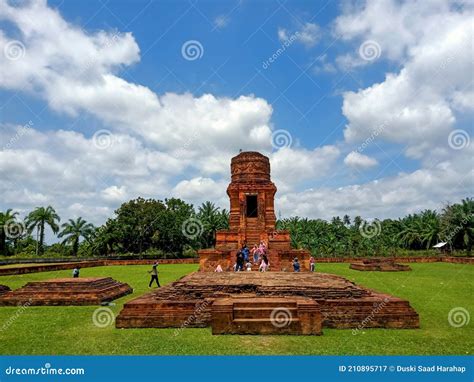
[252, 232]
[257, 315]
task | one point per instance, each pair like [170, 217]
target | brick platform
[266, 315]
[67, 291]
[343, 304]
[380, 265]
[4, 289]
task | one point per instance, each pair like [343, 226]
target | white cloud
[80, 77]
[396, 196]
[308, 34]
[322, 65]
[115, 194]
[291, 167]
[198, 189]
[283, 35]
[415, 107]
[359, 161]
[180, 145]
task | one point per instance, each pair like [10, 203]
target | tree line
[174, 228]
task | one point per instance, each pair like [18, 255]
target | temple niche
[252, 218]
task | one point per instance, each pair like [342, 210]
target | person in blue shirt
[296, 265]
[246, 252]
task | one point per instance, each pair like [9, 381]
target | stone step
[267, 326]
[276, 303]
[263, 312]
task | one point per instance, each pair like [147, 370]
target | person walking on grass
[154, 275]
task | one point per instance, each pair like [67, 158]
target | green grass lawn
[432, 289]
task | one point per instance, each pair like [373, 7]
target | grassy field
[432, 289]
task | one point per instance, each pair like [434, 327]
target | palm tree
[458, 224]
[346, 220]
[430, 228]
[40, 217]
[73, 230]
[410, 233]
[5, 217]
[212, 220]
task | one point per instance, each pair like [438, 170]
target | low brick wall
[443, 259]
[88, 264]
[100, 263]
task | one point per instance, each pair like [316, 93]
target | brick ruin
[67, 291]
[204, 299]
[4, 289]
[246, 302]
[252, 219]
[379, 264]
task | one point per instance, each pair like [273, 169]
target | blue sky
[118, 67]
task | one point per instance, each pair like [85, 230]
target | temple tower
[252, 218]
[251, 194]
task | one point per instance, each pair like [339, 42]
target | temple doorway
[252, 206]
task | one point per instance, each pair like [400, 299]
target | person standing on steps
[255, 253]
[312, 264]
[265, 264]
[245, 251]
[154, 275]
[296, 265]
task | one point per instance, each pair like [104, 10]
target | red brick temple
[279, 302]
[252, 219]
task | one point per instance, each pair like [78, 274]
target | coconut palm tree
[39, 218]
[212, 220]
[73, 230]
[430, 228]
[458, 224]
[346, 220]
[5, 217]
